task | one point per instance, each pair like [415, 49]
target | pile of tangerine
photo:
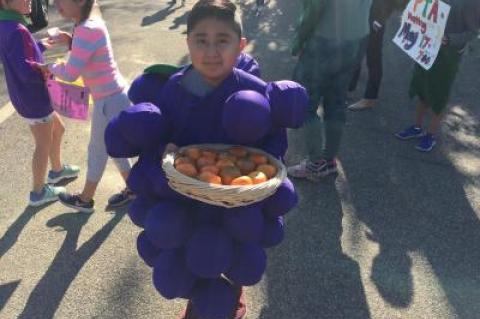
[231, 166]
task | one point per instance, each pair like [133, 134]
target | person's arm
[84, 44]
[471, 17]
[21, 57]
[311, 13]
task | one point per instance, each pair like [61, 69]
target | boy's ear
[243, 43]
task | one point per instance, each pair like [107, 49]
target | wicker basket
[222, 195]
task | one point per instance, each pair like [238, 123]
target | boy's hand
[40, 67]
[46, 43]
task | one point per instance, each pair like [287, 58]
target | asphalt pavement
[394, 235]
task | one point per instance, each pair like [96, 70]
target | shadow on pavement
[417, 202]
[161, 14]
[69, 260]
[308, 276]
[6, 291]
[11, 235]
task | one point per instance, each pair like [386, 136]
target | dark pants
[374, 65]
[325, 68]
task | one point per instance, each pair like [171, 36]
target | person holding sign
[328, 43]
[432, 86]
[379, 14]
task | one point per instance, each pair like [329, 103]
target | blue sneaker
[74, 201]
[122, 198]
[68, 171]
[409, 133]
[426, 144]
[48, 194]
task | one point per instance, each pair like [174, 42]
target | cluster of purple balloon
[200, 251]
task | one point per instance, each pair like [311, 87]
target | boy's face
[214, 47]
[20, 6]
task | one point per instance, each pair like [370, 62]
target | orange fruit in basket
[238, 151]
[204, 161]
[268, 169]
[187, 169]
[209, 153]
[183, 160]
[226, 155]
[258, 159]
[193, 152]
[229, 173]
[225, 162]
[258, 177]
[246, 166]
[209, 177]
[210, 168]
[242, 180]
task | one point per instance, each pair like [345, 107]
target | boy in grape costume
[201, 252]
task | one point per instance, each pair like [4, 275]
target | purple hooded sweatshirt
[196, 120]
[26, 85]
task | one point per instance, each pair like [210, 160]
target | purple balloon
[168, 225]
[248, 265]
[144, 126]
[171, 277]
[117, 145]
[209, 214]
[289, 103]
[273, 233]
[246, 117]
[209, 252]
[244, 224]
[160, 187]
[215, 299]
[138, 209]
[138, 180]
[280, 203]
[147, 251]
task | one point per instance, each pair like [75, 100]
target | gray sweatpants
[103, 111]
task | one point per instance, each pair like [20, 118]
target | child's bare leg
[420, 112]
[125, 175]
[88, 191]
[57, 134]
[435, 123]
[42, 134]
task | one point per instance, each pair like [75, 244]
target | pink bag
[68, 99]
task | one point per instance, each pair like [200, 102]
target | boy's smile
[214, 47]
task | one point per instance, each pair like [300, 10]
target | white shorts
[41, 120]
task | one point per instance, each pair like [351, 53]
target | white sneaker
[363, 104]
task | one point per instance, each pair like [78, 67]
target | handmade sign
[421, 32]
[68, 99]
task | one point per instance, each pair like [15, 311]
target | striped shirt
[91, 57]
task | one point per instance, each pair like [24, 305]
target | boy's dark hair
[223, 10]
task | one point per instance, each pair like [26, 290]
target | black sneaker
[122, 198]
[74, 201]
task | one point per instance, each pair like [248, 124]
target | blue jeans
[325, 69]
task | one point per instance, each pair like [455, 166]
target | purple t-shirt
[26, 85]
